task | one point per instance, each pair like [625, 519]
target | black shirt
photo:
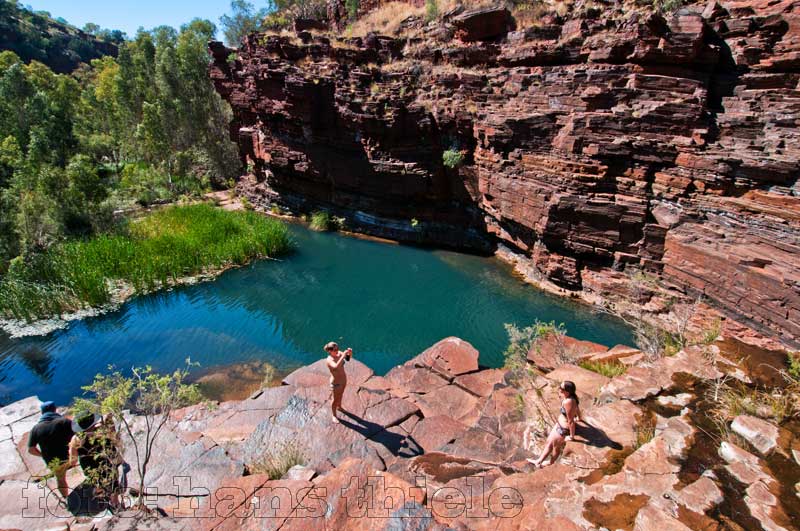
[53, 438]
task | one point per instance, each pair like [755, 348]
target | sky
[129, 15]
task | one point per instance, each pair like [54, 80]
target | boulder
[448, 358]
[482, 24]
[552, 350]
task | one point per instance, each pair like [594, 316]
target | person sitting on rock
[96, 448]
[49, 439]
[564, 429]
[336, 360]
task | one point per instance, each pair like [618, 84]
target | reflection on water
[389, 302]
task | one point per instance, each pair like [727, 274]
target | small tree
[145, 393]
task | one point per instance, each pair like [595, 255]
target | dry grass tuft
[276, 461]
[385, 20]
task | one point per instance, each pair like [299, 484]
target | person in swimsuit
[336, 360]
[564, 429]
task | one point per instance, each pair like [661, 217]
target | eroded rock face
[603, 141]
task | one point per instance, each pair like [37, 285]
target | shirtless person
[336, 362]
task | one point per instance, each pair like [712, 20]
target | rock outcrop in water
[436, 444]
[606, 140]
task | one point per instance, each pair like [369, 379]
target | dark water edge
[389, 302]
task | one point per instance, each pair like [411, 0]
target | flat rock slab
[317, 374]
[11, 464]
[639, 383]
[761, 434]
[431, 433]
[450, 357]
[481, 383]
[586, 381]
[19, 410]
[553, 350]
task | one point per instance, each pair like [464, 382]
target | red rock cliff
[601, 141]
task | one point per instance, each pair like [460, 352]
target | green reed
[153, 251]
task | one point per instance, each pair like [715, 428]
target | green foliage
[521, 341]
[793, 360]
[243, 19]
[320, 221]
[452, 158]
[37, 36]
[144, 127]
[278, 459]
[609, 369]
[156, 250]
[146, 393]
[352, 8]
[431, 10]
[667, 6]
[712, 333]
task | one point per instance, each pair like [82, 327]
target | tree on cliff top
[149, 395]
[243, 19]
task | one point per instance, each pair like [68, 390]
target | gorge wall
[606, 140]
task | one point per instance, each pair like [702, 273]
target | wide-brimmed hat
[85, 421]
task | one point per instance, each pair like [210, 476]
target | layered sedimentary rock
[608, 140]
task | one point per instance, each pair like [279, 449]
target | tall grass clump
[608, 369]
[320, 221]
[278, 459]
[148, 253]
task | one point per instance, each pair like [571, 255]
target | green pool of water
[388, 302]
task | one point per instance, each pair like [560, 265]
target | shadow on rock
[594, 436]
[398, 444]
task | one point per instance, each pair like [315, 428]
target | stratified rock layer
[604, 140]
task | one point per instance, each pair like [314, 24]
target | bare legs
[61, 480]
[553, 447]
[336, 404]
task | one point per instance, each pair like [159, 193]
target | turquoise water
[389, 302]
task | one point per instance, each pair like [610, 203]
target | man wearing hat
[96, 447]
[49, 439]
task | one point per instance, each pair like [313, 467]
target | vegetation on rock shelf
[452, 158]
[320, 221]
[609, 369]
[148, 253]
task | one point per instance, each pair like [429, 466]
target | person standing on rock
[336, 361]
[564, 429]
[49, 439]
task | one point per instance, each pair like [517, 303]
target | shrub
[793, 360]
[145, 393]
[712, 333]
[609, 369]
[452, 158]
[352, 8]
[278, 459]
[320, 221]
[521, 340]
[431, 10]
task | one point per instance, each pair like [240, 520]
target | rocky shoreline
[600, 143]
[440, 443]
